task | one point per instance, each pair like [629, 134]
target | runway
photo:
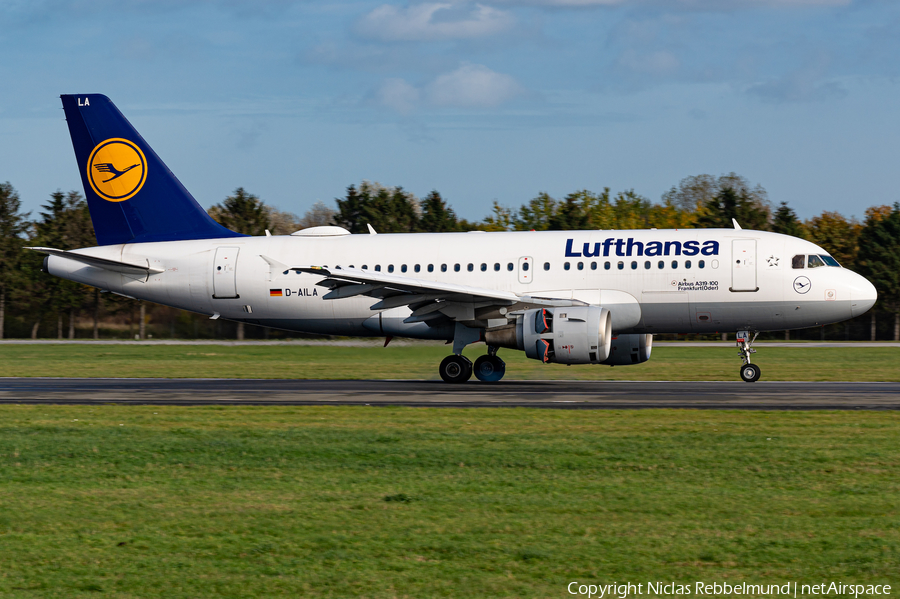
[414, 393]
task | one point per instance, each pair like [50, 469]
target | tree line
[870, 247]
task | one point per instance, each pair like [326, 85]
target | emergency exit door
[743, 265]
[224, 272]
[526, 269]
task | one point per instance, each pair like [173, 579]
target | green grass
[132, 501]
[420, 361]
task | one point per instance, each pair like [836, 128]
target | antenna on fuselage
[372, 230]
[736, 225]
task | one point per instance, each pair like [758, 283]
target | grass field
[420, 361]
[131, 501]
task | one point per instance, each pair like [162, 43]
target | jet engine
[570, 335]
[629, 349]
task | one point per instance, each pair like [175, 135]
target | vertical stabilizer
[133, 197]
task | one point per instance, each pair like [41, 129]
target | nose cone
[862, 296]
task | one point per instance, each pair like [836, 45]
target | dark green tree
[570, 215]
[437, 216]
[242, 212]
[13, 226]
[729, 204]
[350, 211]
[785, 221]
[536, 214]
[879, 258]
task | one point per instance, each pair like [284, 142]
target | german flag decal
[275, 293]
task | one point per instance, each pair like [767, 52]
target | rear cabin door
[743, 265]
[526, 269]
[224, 271]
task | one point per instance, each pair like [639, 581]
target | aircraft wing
[427, 299]
[125, 268]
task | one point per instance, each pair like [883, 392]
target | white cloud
[473, 86]
[397, 94]
[469, 86]
[433, 21]
[677, 4]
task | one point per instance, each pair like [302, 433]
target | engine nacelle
[626, 350]
[571, 335]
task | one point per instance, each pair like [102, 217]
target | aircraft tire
[456, 369]
[489, 369]
[750, 373]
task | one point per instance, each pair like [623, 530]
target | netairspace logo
[719, 589]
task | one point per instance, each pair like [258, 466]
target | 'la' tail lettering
[630, 247]
[87, 102]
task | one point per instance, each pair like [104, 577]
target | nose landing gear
[749, 372]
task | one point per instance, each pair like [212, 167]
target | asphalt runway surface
[761, 395]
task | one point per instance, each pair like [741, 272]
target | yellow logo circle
[117, 169]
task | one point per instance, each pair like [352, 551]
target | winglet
[736, 225]
[371, 229]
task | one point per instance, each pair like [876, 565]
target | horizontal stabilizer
[111, 265]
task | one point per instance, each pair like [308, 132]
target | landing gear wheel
[456, 369]
[489, 369]
[750, 373]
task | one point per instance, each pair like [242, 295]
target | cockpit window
[814, 261]
[829, 260]
[798, 261]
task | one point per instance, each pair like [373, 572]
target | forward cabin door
[224, 271]
[743, 265]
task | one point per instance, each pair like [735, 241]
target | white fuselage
[658, 281]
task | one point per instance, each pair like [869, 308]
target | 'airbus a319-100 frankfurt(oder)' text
[565, 297]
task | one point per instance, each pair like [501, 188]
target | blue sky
[494, 100]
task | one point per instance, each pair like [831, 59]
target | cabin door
[743, 265]
[224, 272]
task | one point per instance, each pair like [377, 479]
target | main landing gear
[458, 368]
[749, 372]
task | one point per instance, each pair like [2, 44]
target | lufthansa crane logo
[117, 169]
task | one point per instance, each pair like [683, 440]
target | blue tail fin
[133, 197]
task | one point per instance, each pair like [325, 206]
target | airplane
[563, 297]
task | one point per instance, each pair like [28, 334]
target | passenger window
[634, 265]
[456, 267]
[443, 268]
[546, 266]
[390, 268]
[496, 267]
[581, 266]
[593, 266]
[687, 263]
[403, 268]
[674, 264]
[814, 261]
[470, 267]
[525, 266]
[377, 268]
[483, 267]
[661, 265]
[797, 261]
[365, 267]
[647, 265]
[829, 260]
[510, 267]
[621, 265]
[566, 266]
[431, 268]
[417, 268]
[701, 264]
[606, 266]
